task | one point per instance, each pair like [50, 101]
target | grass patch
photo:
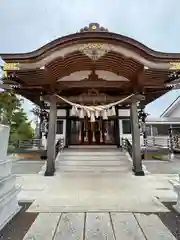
[156, 156]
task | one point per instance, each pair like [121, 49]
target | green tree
[12, 114]
[9, 103]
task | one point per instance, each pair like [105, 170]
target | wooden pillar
[117, 128]
[136, 147]
[68, 128]
[51, 139]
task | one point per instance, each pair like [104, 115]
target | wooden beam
[87, 83]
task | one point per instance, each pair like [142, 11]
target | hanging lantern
[81, 113]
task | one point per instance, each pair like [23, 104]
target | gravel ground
[17, 228]
[27, 167]
[171, 220]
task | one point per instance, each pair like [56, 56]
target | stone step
[92, 168]
[89, 163]
[91, 158]
[85, 153]
[82, 160]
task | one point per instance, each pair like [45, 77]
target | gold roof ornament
[94, 27]
[174, 65]
[9, 67]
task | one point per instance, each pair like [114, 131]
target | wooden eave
[37, 80]
[85, 37]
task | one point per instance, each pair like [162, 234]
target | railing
[157, 142]
[127, 145]
[30, 144]
[59, 146]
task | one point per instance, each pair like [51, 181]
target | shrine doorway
[93, 133]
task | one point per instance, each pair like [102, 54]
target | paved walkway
[26, 166]
[96, 192]
[98, 226]
[94, 195]
[163, 167]
[95, 180]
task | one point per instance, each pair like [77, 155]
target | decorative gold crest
[175, 65]
[95, 50]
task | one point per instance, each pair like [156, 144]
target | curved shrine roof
[83, 60]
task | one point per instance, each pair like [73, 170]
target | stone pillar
[51, 139]
[177, 190]
[136, 147]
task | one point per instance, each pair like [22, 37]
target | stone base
[140, 173]
[49, 173]
[8, 191]
[5, 168]
[176, 208]
[6, 185]
[177, 190]
[9, 206]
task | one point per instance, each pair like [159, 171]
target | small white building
[170, 118]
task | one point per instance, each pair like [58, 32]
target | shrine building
[92, 83]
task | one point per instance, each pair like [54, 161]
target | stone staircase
[93, 160]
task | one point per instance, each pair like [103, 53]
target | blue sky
[26, 25]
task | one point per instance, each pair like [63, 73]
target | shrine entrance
[93, 133]
[62, 73]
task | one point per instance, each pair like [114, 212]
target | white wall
[124, 112]
[61, 113]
